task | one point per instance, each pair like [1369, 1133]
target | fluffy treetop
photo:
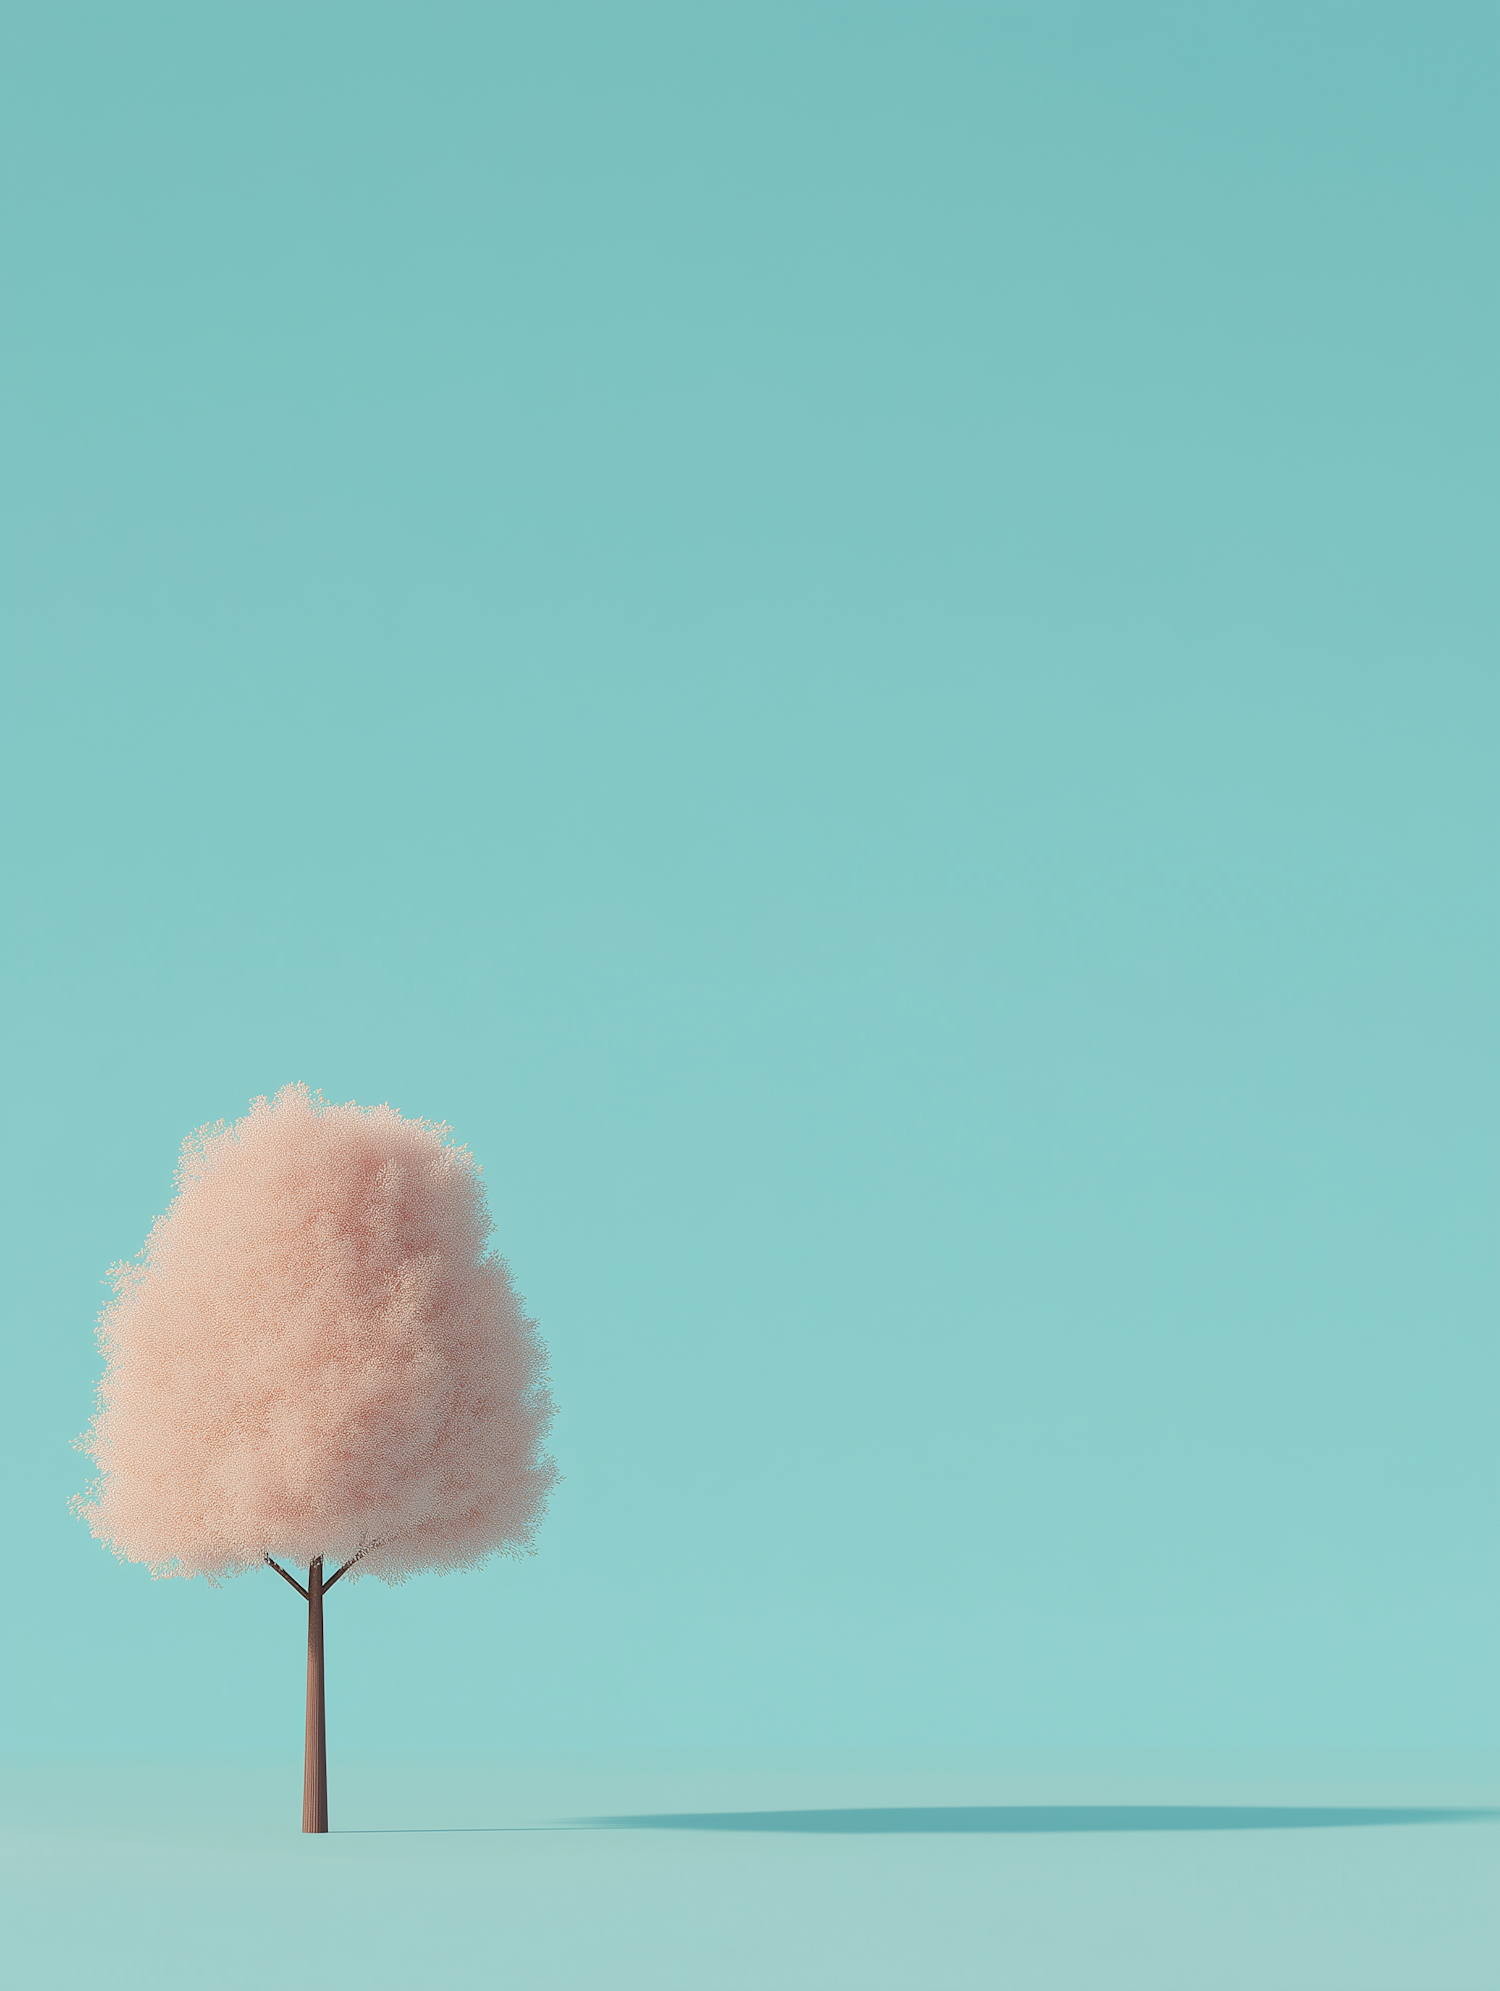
[313, 1355]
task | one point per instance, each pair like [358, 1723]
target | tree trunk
[315, 1743]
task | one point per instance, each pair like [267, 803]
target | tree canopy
[317, 1355]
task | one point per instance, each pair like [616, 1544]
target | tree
[315, 1359]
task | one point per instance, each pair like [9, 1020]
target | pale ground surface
[190, 1871]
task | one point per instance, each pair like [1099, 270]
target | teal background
[860, 639]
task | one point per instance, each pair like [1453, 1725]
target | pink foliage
[314, 1356]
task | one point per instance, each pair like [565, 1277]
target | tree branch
[348, 1565]
[289, 1577]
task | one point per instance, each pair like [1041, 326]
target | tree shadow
[1034, 1818]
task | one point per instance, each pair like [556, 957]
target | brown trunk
[315, 1744]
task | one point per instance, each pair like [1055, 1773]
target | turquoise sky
[861, 639]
